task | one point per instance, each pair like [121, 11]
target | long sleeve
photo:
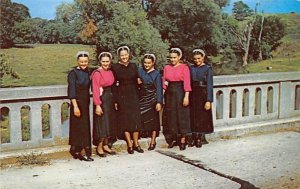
[115, 90]
[187, 79]
[72, 85]
[209, 85]
[96, 88]
[164, 78]
[159, 89]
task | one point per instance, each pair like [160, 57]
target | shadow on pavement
[244, 184]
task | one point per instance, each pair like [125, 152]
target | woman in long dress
[176, 82]
[201, 98]
[104, 113]
[151, 98]
[127, 99]
[79, 94]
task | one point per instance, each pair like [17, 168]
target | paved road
[264, 161]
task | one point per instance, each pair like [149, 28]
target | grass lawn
[43, 64]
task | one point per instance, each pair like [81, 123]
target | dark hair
[148, 57]
[175, 51]
[123, 48]
[104, 55]
[198, 53]
[82, 55]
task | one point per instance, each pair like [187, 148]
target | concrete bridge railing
[238, 100]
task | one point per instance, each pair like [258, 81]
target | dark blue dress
[79, 89]
[151, 93]
[202, 92]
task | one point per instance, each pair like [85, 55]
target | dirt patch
[285, 182]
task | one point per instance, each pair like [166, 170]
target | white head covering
[108, 53]
[152, 55]
[200, 51]
[178, 50]
[82, 53]
[123, 47]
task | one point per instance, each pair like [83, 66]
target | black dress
[202, 92]
[151, 93]
[126, 93]
[176, 117]
[79, 89]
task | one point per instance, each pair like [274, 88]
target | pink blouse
[177, 73]
[101, 78]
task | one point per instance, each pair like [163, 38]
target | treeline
[231, 41]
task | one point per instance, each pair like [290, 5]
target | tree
[188, 24]
[69, 22]
[112, 23]
[243, 30]
[268, 37]
[38, 26]
[241, 11]
[222, 3]
[10, 13]
[23, 32]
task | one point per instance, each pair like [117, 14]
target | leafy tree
[272, 31]
[10, 13]
[38, 26]
[51, 32]
[110, 24]
[241, 11]
[69, 22]
[188, 24]
[23, 32]
[222, 3]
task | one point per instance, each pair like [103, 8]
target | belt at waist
[175, 83]
[107, 89]
[126, 83]
[199, 83]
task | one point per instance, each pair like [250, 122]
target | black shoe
[191, 143]
[130, 150]
[198, 144]
[172, 144]
[138, 149]
[75, 156]
[89, 159]
[110, 152]
[80, 157]
[152, 147]
[203, 140]
[100, 155]
[182, 146]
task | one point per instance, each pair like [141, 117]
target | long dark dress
[151, 93]
[104, 125]
[176, 116]
[202, 92]
[78, 88]
[126, 92]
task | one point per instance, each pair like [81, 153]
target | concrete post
[285, 99]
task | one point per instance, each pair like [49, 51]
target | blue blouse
[150, 78]
[77, 78]
[204, 73]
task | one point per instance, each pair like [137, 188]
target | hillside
[287, 56]
[42, 64]
[48, 64]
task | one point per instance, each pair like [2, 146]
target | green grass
[43, 64]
